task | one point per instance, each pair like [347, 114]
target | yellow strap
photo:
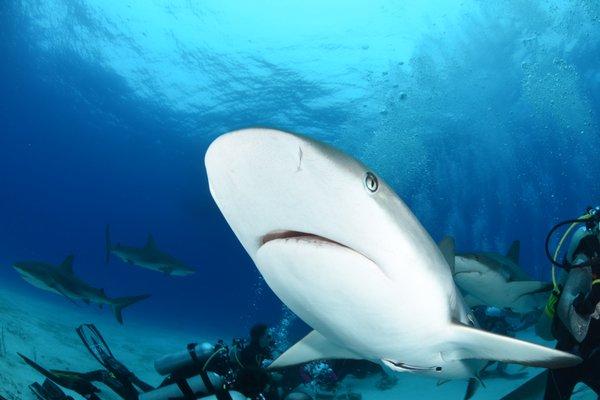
[560, 243]
[211, 357]
[235, 353]
[595, 281]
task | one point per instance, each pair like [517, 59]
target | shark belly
[38, 283]
[349, 300]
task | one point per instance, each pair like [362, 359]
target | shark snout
[20, 267]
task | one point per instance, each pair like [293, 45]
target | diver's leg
[591, 372]
[560, 383]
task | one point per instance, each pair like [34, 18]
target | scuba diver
[251, 360]
[574, 306]
[189, 375]
[201, 371]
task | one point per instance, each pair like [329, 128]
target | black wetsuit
[252, 379]
[562, 381]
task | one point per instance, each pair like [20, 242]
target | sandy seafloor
[45, 332]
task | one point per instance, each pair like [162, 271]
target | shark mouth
[307, 238]
[291, 235]
[399, 366]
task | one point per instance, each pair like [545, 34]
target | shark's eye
[371, 182]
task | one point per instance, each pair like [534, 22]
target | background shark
[149, 257]
[497, 280]
[344, 253]
[62, 280]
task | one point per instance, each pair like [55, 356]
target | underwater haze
[482, 115]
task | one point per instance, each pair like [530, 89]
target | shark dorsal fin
[447, 248]
[67, 265]
[513, 251]
[150, 243]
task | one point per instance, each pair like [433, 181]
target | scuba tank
[196, 354]
[200, 370]
[198, 386]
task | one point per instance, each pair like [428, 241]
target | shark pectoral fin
[314, 346]
[465, 342]
[472, 387]
[63, 293]
[519, 289]
[473, 301]
[447, 248]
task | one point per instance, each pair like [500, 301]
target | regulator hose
[585, 218]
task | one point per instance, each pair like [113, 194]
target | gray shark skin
[63, 281]
[497, 280]
[149, 257]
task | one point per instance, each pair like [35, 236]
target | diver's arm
[586, 305]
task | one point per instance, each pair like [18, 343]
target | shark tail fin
[472, 343]
[108, 244]
[120, 303]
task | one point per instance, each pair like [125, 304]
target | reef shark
[495, 279]
[149, 257]
[344, 253]
[62, 280]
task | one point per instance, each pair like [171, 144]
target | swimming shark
[495, 279]
[62, 280]
[345, 253]
[149, 257]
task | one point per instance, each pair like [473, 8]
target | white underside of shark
[345, 254]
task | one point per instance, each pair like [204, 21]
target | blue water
[483, 117]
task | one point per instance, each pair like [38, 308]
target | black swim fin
[48, 391]
[74, 381]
